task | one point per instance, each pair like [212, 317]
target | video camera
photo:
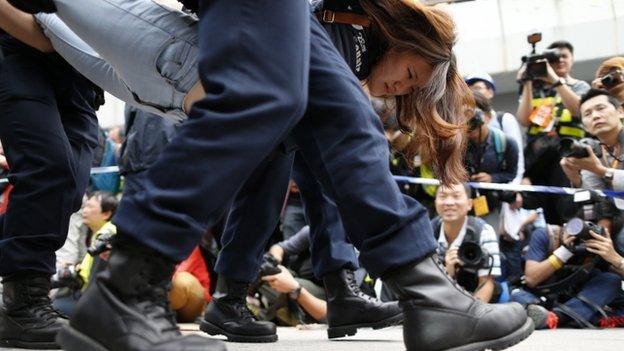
[100, 244]
[570, 147]
[536, 62]
[269, 266]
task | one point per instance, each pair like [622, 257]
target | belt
[328, 16]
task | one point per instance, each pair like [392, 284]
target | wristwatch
[609, 175]
[294, 294]
[560, 81]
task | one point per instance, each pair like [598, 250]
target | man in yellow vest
[549, 107]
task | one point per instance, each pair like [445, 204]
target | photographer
[549, 106]
[96, 215]
[610, 77]
[549, 260]
[602, 116]
[455, 230]
[491, 156]
[483, 83]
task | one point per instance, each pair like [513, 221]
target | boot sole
[212, 329]
[500, 343]
[33, 345]
[71, 339]
[349, 330]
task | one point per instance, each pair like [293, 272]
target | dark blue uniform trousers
[49, 130]
[266, 79]
[255, 214]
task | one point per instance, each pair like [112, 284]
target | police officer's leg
[256, 89]
[342, 142]
[252, 220]
[335, 261]
[46, 182]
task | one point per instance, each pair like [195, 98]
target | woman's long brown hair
[434, 114]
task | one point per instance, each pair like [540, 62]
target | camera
[472, 255]
[536, 62]
[269, 266]
[100, 244]
[476, 121]
[611, 79]
[67, 277]
[580, 229]
[570, 147]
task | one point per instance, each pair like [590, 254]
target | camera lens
[574, 226]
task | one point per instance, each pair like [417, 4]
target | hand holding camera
[452, 261]
[602, 245]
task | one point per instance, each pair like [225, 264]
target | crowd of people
[261, 192]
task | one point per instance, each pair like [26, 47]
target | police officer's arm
[22, 26]
[485, 288]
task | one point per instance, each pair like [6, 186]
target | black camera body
[570, 147]
[67, 277]
[611, 79]
[477, 120]
[472, 255]
[580, 229]
[269, 266]
[100, 244]
[536, 62]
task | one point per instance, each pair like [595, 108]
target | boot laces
[356, 288]
[46, 310]
[154, 294]
[243, 310]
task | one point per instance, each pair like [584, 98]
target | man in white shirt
[453, 225]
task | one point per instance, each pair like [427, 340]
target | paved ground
[291, 339]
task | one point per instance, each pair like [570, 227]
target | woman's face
[399, 73]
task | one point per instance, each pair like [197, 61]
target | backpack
[474, 227]
[500, 145]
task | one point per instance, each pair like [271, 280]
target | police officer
[49, 132]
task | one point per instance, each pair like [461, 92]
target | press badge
[480, 206]
[543, 117]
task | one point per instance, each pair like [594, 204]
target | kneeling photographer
[567, 277]
[597, 164]
[291, 284]
[467, 245]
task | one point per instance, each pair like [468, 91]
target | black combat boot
[126, 307]
[28, 319]
[34, 6]
[440, 315]
[229, 316]
[348, 308]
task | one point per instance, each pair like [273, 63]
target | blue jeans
[256, 96]
[602, 289]
[139, 51]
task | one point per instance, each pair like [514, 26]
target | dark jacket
[147, 135]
